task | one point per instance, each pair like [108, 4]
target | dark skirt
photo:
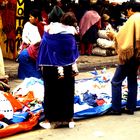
[59, 94]
[91, 35]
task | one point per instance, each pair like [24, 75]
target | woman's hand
[111, 34]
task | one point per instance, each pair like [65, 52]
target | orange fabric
[20, 127]
[14, 102]
[27, 98]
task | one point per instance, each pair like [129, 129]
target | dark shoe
[128, 111]
[113, 112]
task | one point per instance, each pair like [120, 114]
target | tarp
[92, 98]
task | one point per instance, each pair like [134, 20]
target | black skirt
[91, 35]
[59, 94]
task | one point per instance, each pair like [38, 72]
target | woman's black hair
[135, 6]
[36, 13]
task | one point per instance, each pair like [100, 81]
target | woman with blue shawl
[58, 48]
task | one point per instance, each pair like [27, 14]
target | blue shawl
[57, 50]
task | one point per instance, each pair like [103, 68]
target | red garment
[40, 26]
[33, 51]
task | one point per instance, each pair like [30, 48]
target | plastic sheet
[20, 127]
[14, 102]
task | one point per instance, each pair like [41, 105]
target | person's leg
[68, 105]
[119, 76]
[89, 50]
[2, 69]
[82, 48]
[132, 87]
[52, 103]
[75, 70]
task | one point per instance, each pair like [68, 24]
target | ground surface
[124, 127]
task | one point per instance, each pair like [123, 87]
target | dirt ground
[124, 127]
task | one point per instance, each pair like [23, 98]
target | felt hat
[105, 17]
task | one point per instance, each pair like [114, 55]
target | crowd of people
[49, 51]
[89, 26]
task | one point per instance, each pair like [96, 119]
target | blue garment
[57, 50]
[128, 70]
[27, 66]
[90, 99]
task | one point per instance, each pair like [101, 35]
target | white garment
[56, 27]
[30, 34]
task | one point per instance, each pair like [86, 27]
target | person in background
[31, 37]
[105, 22]
[2, 35]
[58, 48]
[3, 78]
[127, 41]
[2, 69]
[88, 30]
[57, 11]
[115, 9]
[81, 8]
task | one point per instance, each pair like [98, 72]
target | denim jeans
[129, 71]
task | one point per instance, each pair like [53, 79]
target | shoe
[45, 125]
[71, 124]
[56, 125]
[128, 111]
[113, 112]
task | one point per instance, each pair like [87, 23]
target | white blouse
[30, 34]
[56, 27]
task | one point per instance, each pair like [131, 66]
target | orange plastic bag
[14, 102]
[20, 127]
[27, 98]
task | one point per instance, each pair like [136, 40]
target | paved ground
[85, 63]
[124, 127]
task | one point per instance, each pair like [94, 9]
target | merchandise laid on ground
[21, 109]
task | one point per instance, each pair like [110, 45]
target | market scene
[69, 69]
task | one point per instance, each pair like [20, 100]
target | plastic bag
[20, 127]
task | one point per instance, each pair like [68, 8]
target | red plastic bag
[1, 116]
